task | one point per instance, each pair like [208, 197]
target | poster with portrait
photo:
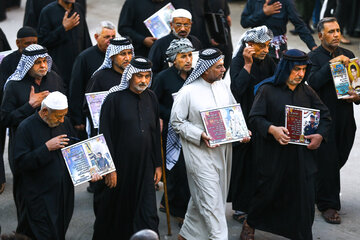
[353, 70]
[341, 79]
[301, 122]
[159, 23]
[86, 158]
[225, 124]
[95, 101]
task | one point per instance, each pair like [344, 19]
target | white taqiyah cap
[56, 101]
[181, 13]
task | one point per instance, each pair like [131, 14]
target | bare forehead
[181, 20]
[143, 73]
[331, 25]
[40, 59]
[298, 67]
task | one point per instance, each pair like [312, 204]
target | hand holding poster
[94, 101]
[301, 122]
[86, 158]
[159, 23]
[225, 125]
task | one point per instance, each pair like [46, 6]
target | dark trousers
[177, 188]
[2, 147]
[343, 13]
[305, 9]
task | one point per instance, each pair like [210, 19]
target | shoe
[247, 233]
[239, 217]
[90, 189]
[331, 216]
[2, 188]
[162, 209]
[344, 40]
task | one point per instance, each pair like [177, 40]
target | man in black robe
[44, 184]
[275, 15]
[333, 154]
[24, 90]
[180, 28]
[118, 57]
[63, 30]
[131, 23]
[283, 199]
[129, 120]
[84, 66]
[33, 9]
[250, 66]
[166, 83]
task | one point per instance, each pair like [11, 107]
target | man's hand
[315, 47]
[315, 139]
[248, 53]
[70, 22]
[111, 179]
[280, 134]
[206, 139]
[57, 142]
[213, 42]
[228, 19]
[35, 99]
[354, 97]
[95, 177]
[343, 59]
[157, 176]
[79, 127]
[149, 41]
[271, 9]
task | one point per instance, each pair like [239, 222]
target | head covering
[182, 45]
[181, 13]
[145, 234]
[26, 32]
[56, 101]
[207, 58]
[115, 47]
[259, 34]
[137, 64]
[29, 55]
[290, 59]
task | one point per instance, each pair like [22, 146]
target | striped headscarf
[137, 64]
[182, 45]
[115, 47]
[29, 55]
[207, 58]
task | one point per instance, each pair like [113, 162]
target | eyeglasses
[186, 25]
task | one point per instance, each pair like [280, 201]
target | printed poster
[159, 23]
[95, 101]
[301, 122]
[86, 158]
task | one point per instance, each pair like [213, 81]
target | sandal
[239, 217]
[2, 187]
[247, 233]
[331, 216]
[162, 208]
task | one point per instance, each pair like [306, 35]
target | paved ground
[83, 218]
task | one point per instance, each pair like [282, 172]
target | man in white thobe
[208, 168]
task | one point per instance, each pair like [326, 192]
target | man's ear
[96, 36]
[320, 35]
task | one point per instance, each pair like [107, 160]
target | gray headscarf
[259, 34]
[182, 45]
[115, 47]
[29, 55]
[207, 58]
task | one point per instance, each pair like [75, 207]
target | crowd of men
[153, 100]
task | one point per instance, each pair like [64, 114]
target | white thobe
[208, 170]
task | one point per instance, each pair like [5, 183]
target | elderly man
[283, 200]
[24, 91]
[180, 28]
[131, 22]
[208, 167]
[166, 83]
[63, 30]
[334, 153]
[118, 57]
[275, 15]
[44, 184]
[251, 65]
[84, 67]
[130, 123]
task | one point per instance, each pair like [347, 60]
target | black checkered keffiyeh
[137, 64]
[182, 45]
[29, 56]
[207, 58]
[115, 47]
[259, 34]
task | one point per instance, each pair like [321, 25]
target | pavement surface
[81, 226]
